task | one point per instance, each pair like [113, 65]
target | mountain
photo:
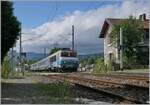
[34, 56]
[37, 56]
[91, 55]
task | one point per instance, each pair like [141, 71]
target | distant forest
[90, 58]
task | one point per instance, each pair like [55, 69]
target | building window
[147, 34]
[109, 39]
[110, 56]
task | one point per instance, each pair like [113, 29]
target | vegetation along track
[127, 92]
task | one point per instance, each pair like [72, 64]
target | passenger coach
[62, 60]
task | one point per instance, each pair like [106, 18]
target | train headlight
[63, 62]
[75, 61]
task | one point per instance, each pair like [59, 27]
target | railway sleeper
[101, 88]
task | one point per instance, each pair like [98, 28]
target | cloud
[87, 27]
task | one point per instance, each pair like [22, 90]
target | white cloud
[87, 27]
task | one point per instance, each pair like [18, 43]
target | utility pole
[20, 52]
[72, 37]
[121, 49]
[45, 51]
[12, 58]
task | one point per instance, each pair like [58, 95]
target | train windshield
[68, 54]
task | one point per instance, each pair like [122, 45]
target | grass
[57, 93]
[134, 71]
[19, 75]
[39, 93]
[50, 93]
[101, 68]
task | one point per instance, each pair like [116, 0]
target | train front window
[68, 54]
[73, 54]
[64, 54]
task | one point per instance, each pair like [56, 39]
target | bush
[6, 68]
[100, 67]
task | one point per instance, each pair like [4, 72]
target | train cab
[68, 60]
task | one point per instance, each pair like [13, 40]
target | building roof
[111, 22]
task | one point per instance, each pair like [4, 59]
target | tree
[10, 28]
[132, 34]
[54, 50]
[142, 55]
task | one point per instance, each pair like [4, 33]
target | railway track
[134, 80]
[127, 92]
[122, 75]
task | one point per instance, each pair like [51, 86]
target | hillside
[81, 57]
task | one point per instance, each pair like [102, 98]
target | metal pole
[121, 49]
[45, 52]
[20, 53]
[12, 57]
[73, 37]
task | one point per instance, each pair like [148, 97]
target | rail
[109, 87]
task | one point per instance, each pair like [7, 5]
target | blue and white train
[62, 60]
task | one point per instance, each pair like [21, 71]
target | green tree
[132, 34]
[142, 55]
[10, 27]
[54, 50]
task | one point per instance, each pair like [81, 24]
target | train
[62, 60]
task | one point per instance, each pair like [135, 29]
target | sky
[47, 24]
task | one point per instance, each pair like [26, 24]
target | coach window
[52, 59]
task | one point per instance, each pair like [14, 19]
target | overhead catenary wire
[52, 18]
[35, 38]
[56, 8]
[40, 35]
[89, 6]
[49, 15]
